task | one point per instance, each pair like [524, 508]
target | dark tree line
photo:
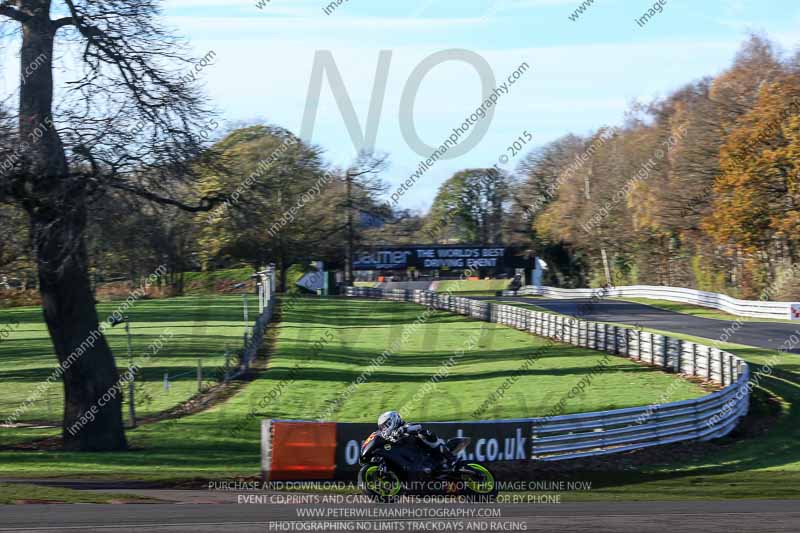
[717, 211]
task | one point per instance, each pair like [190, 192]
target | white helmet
[388, 422]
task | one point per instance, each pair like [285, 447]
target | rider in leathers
[393, 427]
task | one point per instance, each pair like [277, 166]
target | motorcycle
[393, 467]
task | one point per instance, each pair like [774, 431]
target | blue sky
[584, 74]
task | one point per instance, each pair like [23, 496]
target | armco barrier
[750, 308]
[559, 437]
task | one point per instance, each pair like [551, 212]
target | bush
[707, 279]
[219, 281]
[293, 275]
[785, 287]
[19, 298]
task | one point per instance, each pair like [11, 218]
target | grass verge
[763, 463]
[11, 493]
[192, 329]
[478, 287]
[323, 345]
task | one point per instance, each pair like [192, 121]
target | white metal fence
[239, 362]
[591, 434]
[265, 286]
[751, 308]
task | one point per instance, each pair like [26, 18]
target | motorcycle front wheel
[380, 486]
[479, 481]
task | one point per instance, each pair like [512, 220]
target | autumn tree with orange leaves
[756, 208]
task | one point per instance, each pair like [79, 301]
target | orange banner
[303, 451]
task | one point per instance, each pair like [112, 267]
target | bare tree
[362, 184]
[125, 121]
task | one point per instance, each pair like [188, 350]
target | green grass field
[201, 328]
[531, 306]
[212, 445]
[481, 287]
[351, 333]
[764, 465]
[761, 465]
[21, 492]
[360, 330]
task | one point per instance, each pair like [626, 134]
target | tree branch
[206, 203]
[7, 9]
[64, 21]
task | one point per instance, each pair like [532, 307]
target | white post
[266, 449]
[131, 384]
[244, 311]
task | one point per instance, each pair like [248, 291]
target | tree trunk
[282, 268]
[57, 210]
[349, 241]
[89, 372]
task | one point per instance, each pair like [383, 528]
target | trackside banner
[307, 450]
[446, 257]
[491, 441]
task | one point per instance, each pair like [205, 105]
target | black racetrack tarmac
[595, 517]
[771, 335]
